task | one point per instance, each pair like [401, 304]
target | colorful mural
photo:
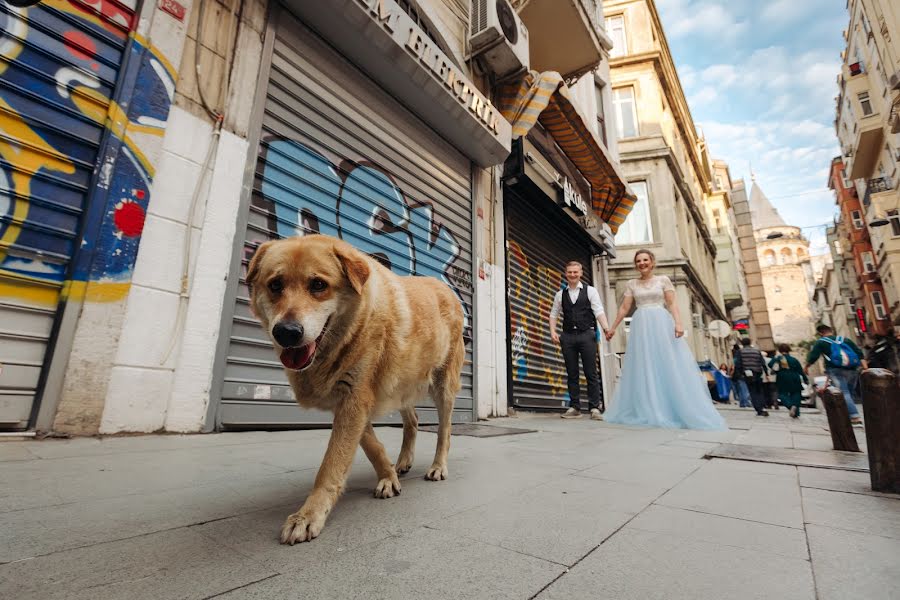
[532, 287]
[360, 203]
[83, 102]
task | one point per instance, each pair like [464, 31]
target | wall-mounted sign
[407, 33]
[741, 325]
[174, 8]
[572, 199]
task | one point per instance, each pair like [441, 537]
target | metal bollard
[881, 405]
[842, 436]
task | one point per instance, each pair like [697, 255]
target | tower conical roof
[762, 213]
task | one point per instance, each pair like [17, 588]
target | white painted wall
[163, 368]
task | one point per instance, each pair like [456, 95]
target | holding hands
[609, 333]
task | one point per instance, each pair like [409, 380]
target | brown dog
[357, 340]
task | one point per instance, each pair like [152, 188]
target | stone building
[669, 168]
[867, 123]
[787, 276]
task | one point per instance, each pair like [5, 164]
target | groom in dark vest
[582, 310]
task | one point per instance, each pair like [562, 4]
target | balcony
[867, 146]
[564, 35]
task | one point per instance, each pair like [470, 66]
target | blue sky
[760, 80]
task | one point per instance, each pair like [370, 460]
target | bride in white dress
[661, 384]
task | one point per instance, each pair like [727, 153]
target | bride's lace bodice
[651, 292]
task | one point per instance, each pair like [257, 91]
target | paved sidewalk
[577, 509]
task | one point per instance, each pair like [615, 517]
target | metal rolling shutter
[339, 156]
[61, 61]
[538, 247]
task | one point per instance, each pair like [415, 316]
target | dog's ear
[253, 268]
[355, 267]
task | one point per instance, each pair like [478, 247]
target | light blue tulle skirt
[661, 384]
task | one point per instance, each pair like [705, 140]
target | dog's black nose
[288, 334]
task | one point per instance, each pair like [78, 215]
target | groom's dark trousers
[581, 345]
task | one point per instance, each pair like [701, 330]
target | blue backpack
[841, 354]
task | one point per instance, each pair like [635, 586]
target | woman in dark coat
[788, 376]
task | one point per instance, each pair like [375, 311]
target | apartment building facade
[668, 167]
[867, 124]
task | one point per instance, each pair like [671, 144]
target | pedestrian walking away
[661, 384]
[582, 310]
[750, 366]
[842, 361]
[789, 377]
[740, 386]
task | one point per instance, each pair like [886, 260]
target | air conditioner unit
[498, 38]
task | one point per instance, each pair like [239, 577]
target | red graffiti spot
[129, 218]
[80, 45]
[113, 16]
[139, 194]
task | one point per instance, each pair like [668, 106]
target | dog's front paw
[388, 487]
[404, 463]
[437, 472]
[302, 526]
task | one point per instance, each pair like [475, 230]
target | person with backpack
[842, 361]
[789, 377]
[750, 366]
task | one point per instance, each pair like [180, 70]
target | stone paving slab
[559, 521]
[834, 480]
[739, 533]
[716, 489]
[180, 563]
[627, 567]
[854, 512]
[854, 565]
[422, 564]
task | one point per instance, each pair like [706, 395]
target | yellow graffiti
[31, 153]
[95, 291]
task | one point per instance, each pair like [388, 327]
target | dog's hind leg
[388, 484]
[443, 391]
[408, 449]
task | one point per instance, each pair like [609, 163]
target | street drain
[476, 430]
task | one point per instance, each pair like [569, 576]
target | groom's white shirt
[593, 298]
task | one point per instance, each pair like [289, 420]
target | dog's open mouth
[298, 358]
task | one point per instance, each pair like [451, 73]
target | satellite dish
[719, 329]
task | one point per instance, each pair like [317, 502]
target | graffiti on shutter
[360, 203]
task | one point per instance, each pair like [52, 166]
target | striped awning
[546, 98]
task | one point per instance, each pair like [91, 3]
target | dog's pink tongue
[298, 358]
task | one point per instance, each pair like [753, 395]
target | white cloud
[705, 95]
[700, 18]
[787, 11]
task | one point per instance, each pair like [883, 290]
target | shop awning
[546, 98]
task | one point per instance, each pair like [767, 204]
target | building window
[636, 228]
[856, 217]
[787, 257]
[865, 103]
[777, 289]
[601, 115]
[878, 305]
[615, 27]
[838, 250]
[865, 23]
[770, 257]
[626, 115]
[894, 218]
[868, 262]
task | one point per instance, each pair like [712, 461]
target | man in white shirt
[582, 310]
